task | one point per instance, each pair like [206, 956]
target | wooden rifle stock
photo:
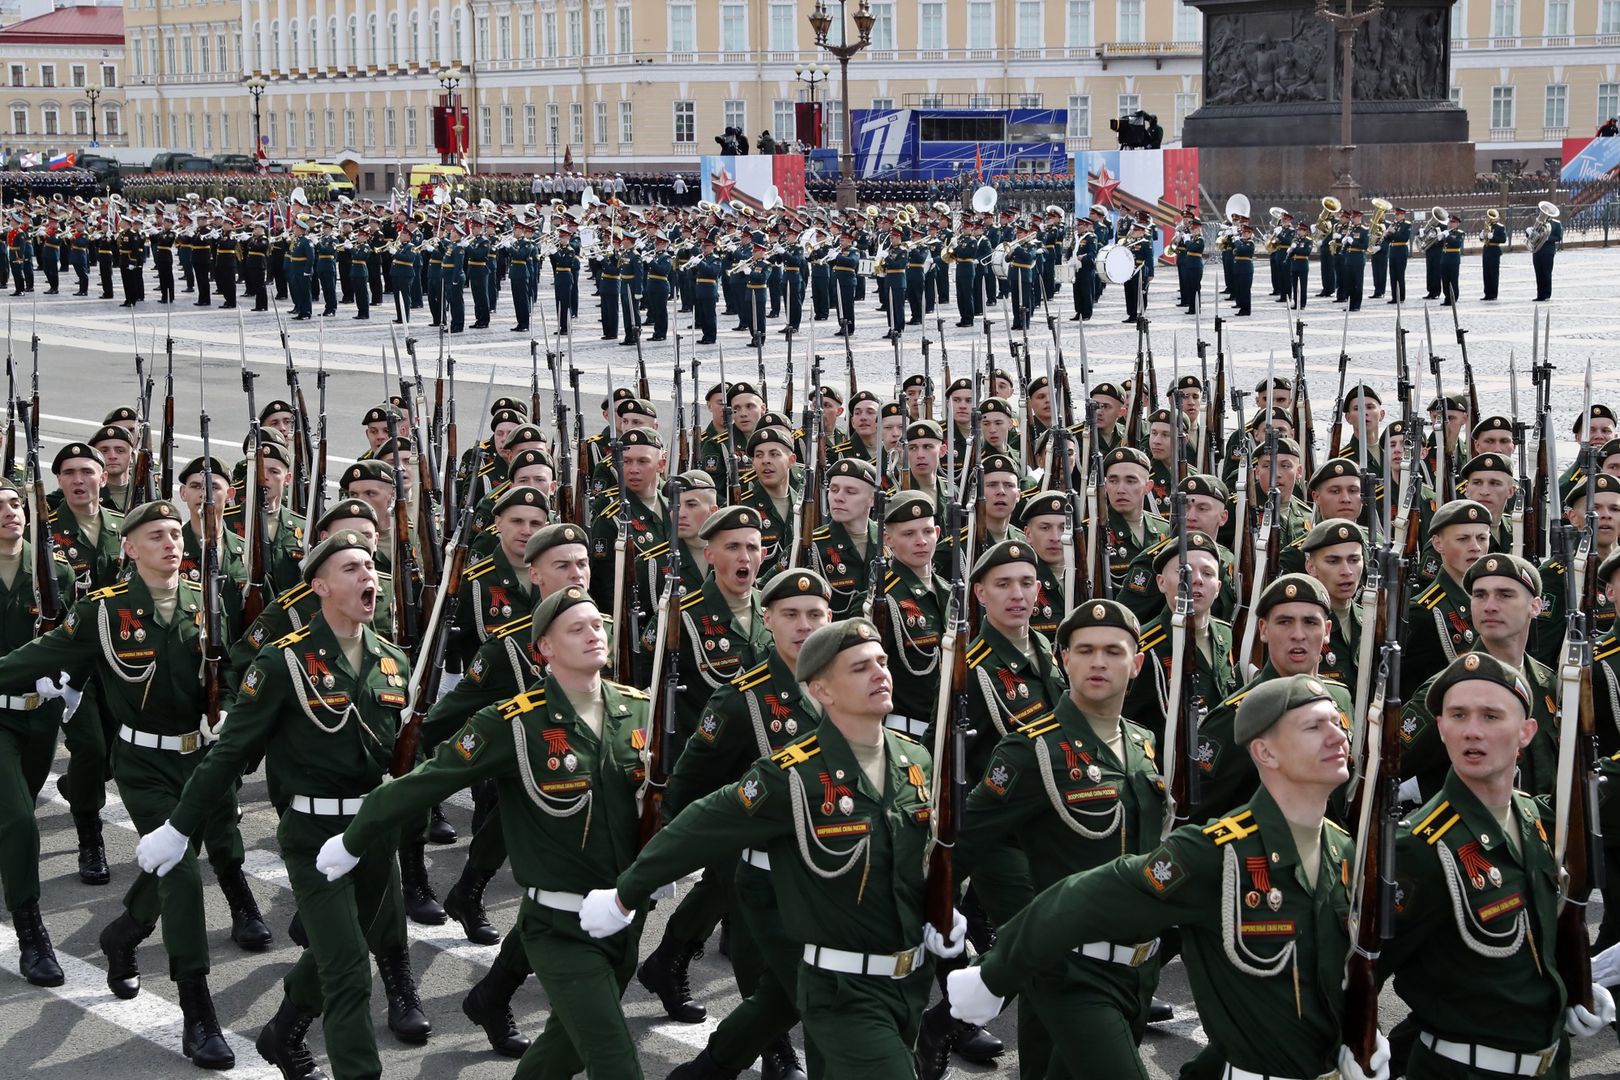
[426, 680]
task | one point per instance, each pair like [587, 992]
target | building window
[78, 75]
[599, 112]
[531, 125]
[1556, 111]
[626, 38]
[224, 57]
[331, 129]
[47, 75]
[140, 128]
[784, 27]
[410, 127]
[185, 55]
[576, 34]
[1459, 19]
[553, 131]
[783, 127]
[208, 131]
[19, 121]
[526, 36]
[390, 129]
[414, 31]
[685, 122]
[682, 28]
[1608, 101]
[981, 25]
[225, 131]
[883, 25]
[1079, 116]
[1609, 17]
[1189, 22]
[1030, 101]
[503, 38]
[1080, 24]
[292, 130]
[736, 113]
[1504, 18]
[931, 101]
[881, 104]
[152, 54]
[833, 117]
[1186, 105]
[627, 123]
[508, 126]
[1031, 24]
[350, 132]
[980, 101]
[931, 26]
[174, 130]
[205, 55]
[17, 76]
[81, 121]
[481, 32]
[371, 127]
[486, 134]
[1557, 17]
[548, 33]
[576, 122]
[309, 128]
[109, 121]
[1129, 103]
[1130, 20]
[733, 27]
[1456, 96]
[53, 120]
[1502, 107]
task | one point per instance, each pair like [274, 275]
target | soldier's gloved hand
[971, 1000]
[936, 943]
[161, 850]
[45, 686]
[1582, 1023]
[601, 915]
[334, 859]
[1606, 966]
[210, 732]
[1350, 1068]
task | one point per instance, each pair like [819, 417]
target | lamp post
[450, 78]
[821, 23]
[94, 95]
[1346, 20]
[255, 86]
[813, 75]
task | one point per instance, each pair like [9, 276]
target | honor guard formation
[985, 689]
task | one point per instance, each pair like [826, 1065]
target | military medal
[846, 805]
[326, 680]
[1494, 876]
[1093, 773]
[776, 725]
[570, 762]
[1477, 866]
[552, 764]
[1274, 899]
[792, 727]
[1252, 898]
[506, 610]
[708, 643]
[725, 644]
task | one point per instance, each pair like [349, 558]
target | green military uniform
[230, 556]
[1438, 631]
[1140, 591]
[1007, 689]
[1124, 545]
[1547, 628]
[776, 527]
[910, 617]
[287, 547]
[1213, 677]
[292, 610]
[1341, 661]
[652, 572]
[834, 555]
[493, 593]
[649, 525]
[714, 649]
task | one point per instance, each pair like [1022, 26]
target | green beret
[619, 394]
[892, 408]
[1333, 470]
[1607, 568]
[995, 405]
[195, 466]
[793, 583]
[1276, 416]
[1263, 706]
[7, 484]
[861, 396]
[1454, 403]
[508, 404]
[505, 416]
[525, 458]
[1126, 455]
[342, 540]
[1196, 541]
[520, 497]
[1602, 482]
[1360, 390]
[146, 513]
[999, 463]
[1486, 463]
[76, 450]
[695, 480]
[1508, 566]
[1046, 504]
[1097, 613]
[1206, 485]
[1159, 416]
[1108, 389]
[554, 535]
[1599, 412]
[635, 407]
[381, 414]
[1492, 423]
[738, 389]
[731, 517]
[122, 414]
[367, 469]
[1286, 447]
[823, 646]
[345, 508]
[273, 407]
[908, 506]
[854, 468]
[1459, 512]
[521, 434]
[1333, 531]
[553, 606]
[1008, 551]
[275, 450]
[1480, 667]
[1608, 450]
[958, 384]
[716, 390]
[924, 429]
[831, 392]
[913, 380]
[641, 436]
[1294, 589]
[113, 432]
[1280, 382]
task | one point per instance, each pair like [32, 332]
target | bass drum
[998, 263]
[1116, 263]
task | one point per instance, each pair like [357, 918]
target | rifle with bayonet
[256, 551]
[215, 644]
[658, 742]
[50, 607]
[407, 573]
[1182, 714]
[166, 447]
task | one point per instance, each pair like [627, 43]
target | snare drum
[1117, 263]
[998, 263]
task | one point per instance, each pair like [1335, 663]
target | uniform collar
[1479, 825]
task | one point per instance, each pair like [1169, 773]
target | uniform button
[1275, 857]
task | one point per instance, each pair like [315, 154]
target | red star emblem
[723, 186]
[1102, 188]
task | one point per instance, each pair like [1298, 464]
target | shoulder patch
[1039, 726]
[977, 652]
[631, 692]
[479, 568]
[1163, 874]
[1435, 825]
[753, 677]
[751, 790]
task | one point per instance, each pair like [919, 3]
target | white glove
[971, 1000]
[936, 943]
[601, 915]
[71, 699]
[665, 892]
[45, 686]
[210, 735]
[1350, 1068]
[1409, 791]
[334, 859]
[1583, 1024]
[448, 682]
[1606, 966]
[161, 850]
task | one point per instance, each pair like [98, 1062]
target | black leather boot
[780, 1061]
[489, 1005]
[440, 831]
[119, 941]
[665, 974]
[247, 924]
[281, 1043]
[420, 903]
[936, 1037]
[92, 852]
[200, 1037]
[405, 1016]
[465, 904]
[38, 958]
[702, 1067]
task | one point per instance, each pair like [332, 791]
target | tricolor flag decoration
[61, 161]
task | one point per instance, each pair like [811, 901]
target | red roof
[83, 25]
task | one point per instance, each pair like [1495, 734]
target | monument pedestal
[1381, 169]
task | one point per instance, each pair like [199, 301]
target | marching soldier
[1543, 257]
[1603, 491]
[842, 550]
[1438, 627]
[637, 499]
[697, 503]
[1130, 529]
[911, 611]
[1354, 250]
[1335, 554]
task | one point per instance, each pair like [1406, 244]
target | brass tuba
[1323, 228]
[1538, 234]
[1375, 234]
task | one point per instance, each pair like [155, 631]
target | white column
[426, 27]
[341, 13]
[284, 47]
[323, 52]
[301, 13]
[247, 58]
[264, 36]
[445, 15]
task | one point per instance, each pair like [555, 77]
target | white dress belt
[884, 965]
[1489, 1058]
[560, 901]
[188, 743]
[1127, 955]
[320, 806]
[760, 860]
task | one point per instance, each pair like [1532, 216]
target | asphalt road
[86, 370]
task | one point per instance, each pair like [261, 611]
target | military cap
[521, 434]
[1045, 504]
[112, 433]
[1189, 382]
[505, 416]
[635, 407]
[1280, 382]
[274, 407]
[517, 497]
[1608, 450]
[1263, 706]
[1293, 589]
[769, 436]
[1602, 482]
[775, 420]
[1606, 570]
[1477, 667]
[1036, 385]
[642, 436]
[822, 647]
[1196, 541]
[397, 445]
[367, 469]
[795, 583]
[999, 463]
[76, 450]
[924, 429]
[1454, 403]
[7, 484]
[508, 404]
[1008, 551]
[892, 408]
[730, 517]
[1091, 613]
[619, 394]
[695, 480]
[1333, 470]
[855, 469]
[524, 458]
[1360, 390]
[830, 392]
[276, 450]
[958, 384]
[738, 389]
[1497, 564]
[1206, 485]
[1108, 390]
[908, 506]
[1160, 416]
[1125, 455]
[1492, 423]
[1486, 463]
[342, 540]
[1330, 532]
[860, 396]
[995, 405]
[120, 415]
[195, 466]
[381, 414]
[1001, 374]
[553, 535]
[913, 380]
[1460, 512]
[146, 513]
[553, 606]
[1286, 447]
[346, 508]
[1599, 412]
